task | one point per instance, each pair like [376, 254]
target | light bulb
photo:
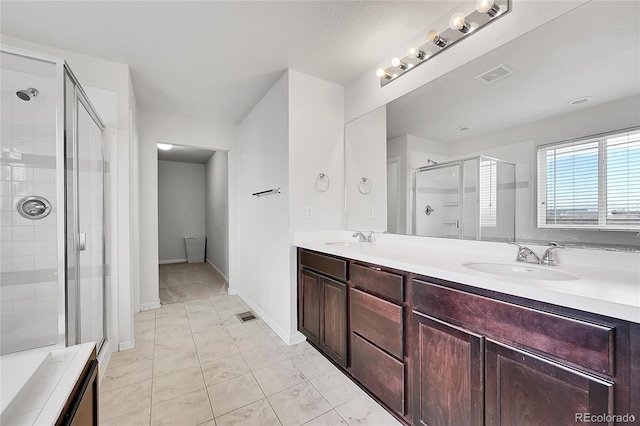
[164, 146]
[487, 6]
[457, 22]
[415, 52]
[396, 62]
[434, 38]
[383, 73]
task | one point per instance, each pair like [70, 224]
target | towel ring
[322, 183]
[364, 186]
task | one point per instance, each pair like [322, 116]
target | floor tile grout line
[206, 388]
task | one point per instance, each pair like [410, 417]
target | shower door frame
[414, 194]
[80, 97]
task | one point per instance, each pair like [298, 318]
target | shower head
[27, 94]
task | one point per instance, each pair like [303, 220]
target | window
[590, 183]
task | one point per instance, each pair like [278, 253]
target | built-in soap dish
[246, 316]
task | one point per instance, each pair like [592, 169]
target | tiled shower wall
[28, 258]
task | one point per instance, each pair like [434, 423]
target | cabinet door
[524, 389]
[309, 306]
[448, 371]
[333, 320]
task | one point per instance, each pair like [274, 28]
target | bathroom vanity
[437, 351]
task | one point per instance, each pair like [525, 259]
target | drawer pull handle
[375, 268]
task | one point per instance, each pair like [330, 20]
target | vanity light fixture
[164, 146]
[460, 26]
[396, 62]
[488, 6]
[457, 22]
[416, 53]
[382, 73]
[434, 38]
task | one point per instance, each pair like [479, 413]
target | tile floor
[187, 281]
[195, 363]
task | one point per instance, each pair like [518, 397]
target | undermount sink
[345, 243]
[521, 271]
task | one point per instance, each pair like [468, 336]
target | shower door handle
[82, 241]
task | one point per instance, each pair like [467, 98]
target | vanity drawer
[580, 342]
[377, 320]
[380, 373]
[332, 266]
[374, 280]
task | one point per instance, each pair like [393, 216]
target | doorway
[192, 202]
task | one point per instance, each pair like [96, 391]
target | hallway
[187, 281]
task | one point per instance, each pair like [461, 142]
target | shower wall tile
[5, 172]
[22, 263]
[5, 203]
[5, 217]
[27, 248]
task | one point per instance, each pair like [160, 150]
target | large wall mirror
[459, 156]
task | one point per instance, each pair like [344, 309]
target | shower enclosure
[471, 199]
[52, 286]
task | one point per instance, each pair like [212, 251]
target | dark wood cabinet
[309, 305]
[322, 304]
[449, 371]
[81, 409]
[333, 319]
[524, 389]
[434, 352]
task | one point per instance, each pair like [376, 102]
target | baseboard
[166, 262]
[289, 339]
[123, 346]
[150, 305]
[219, 271]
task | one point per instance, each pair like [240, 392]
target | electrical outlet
[374, 212]
[308, 212]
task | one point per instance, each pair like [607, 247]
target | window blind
[488, 192]
[590, 183]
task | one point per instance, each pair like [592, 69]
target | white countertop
[608, 283]
[40, 400]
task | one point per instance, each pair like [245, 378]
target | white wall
[153, 128]
[316, 145]
[366, 155]
[364, 93]
[112, 77]
[291, 136]
[217, 210]
[181, 207]
[263, 231]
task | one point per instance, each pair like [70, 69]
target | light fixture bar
[461, 26]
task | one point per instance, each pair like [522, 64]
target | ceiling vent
[495, 74]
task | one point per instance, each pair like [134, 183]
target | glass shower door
[85, 221]
[437, 201]
[90, 221]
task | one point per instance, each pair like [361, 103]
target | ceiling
[185, 154]
[216, 59]
[593, 50]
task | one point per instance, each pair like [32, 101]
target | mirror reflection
[458, 157]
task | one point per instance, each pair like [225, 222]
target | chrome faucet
[364, 238]
[548, 258]
[524, 253]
